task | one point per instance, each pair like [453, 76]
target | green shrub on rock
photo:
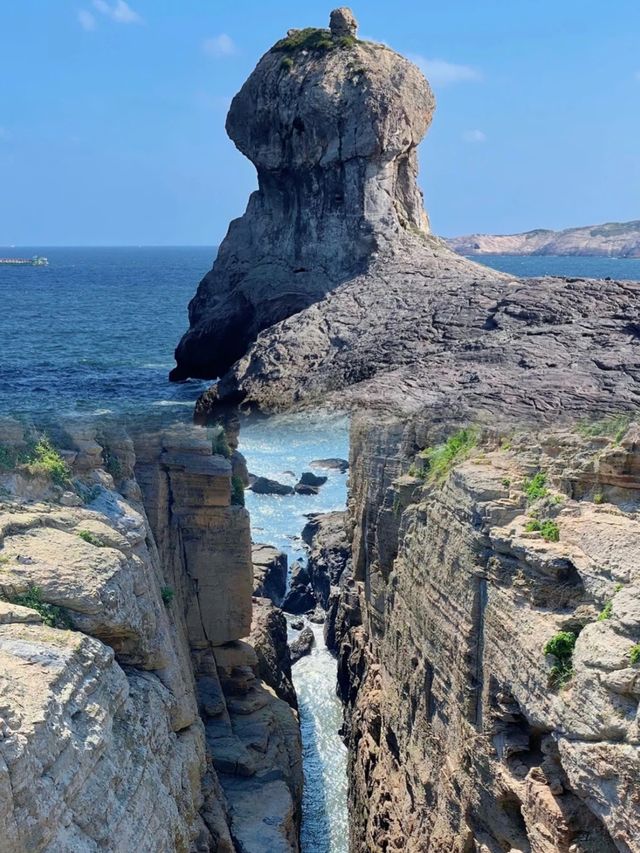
[442, 458]
[219, 443]
[547, 528]
[634, 654]
[535, 487]
[237, 491]
[52, 615]
[91, 538]
[561, 648]
[167, 593]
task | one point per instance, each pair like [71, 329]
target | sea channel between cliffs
[276, 447]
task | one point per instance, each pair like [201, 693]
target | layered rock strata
[463, 734]
[132, 715]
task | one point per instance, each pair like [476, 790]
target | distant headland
[613, 239]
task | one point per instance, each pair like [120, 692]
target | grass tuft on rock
[442, 458]
[547, 528]
[535, 487]
[219, 443]
[52, 615]
[614, 427]
[39, 458]
[167, 593]
[634, 654]
[91, 538]
[561, 647]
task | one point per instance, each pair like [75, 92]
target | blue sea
[94, 332]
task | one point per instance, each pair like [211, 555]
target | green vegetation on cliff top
[38, 458]
[312, 39]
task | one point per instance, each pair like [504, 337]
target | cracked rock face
[331, 124]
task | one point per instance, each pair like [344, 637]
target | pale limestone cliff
[132, 717]
[462, 735]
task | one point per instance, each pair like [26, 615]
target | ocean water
[96, 329]
[94, 332]
[578, 267]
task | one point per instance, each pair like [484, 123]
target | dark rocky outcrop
[310, 479]
[326, 538]
[269, 639]
[265, 486]
[302, 645]
[300, 598]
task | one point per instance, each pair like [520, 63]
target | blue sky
[112, 113]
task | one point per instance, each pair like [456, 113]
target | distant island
[613, 239]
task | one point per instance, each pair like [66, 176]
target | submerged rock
[265, 486]
[332, 464]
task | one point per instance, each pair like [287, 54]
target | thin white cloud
[4, 134]
[637, 76]
[474, 136]
[119, 11]
[86, 20]
[220, 45]
[439, 72]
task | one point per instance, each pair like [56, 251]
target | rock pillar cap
[343, 23]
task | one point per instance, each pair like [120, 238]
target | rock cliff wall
[463, 734]
[132, 714]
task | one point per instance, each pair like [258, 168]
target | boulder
[310, 479]
[269, 572]
[302, 645]
[265, 486]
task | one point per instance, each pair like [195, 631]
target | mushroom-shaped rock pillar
[332, 125]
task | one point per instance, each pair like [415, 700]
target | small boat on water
[35, 261]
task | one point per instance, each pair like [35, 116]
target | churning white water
[281, 448]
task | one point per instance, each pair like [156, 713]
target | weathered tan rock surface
[130, 716]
